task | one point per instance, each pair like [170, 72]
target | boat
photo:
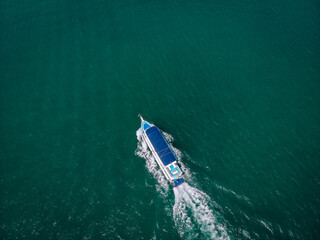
[162, 152]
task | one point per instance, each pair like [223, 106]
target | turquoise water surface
[233, 84]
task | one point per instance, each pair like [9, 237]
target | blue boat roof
[160, 145]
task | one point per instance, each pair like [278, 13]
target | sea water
[236, 83]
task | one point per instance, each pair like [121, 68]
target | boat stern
[177, 182]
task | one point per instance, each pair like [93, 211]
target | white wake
[192, 214]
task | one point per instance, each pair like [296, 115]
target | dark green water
[236, 83]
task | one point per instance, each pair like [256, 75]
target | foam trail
[192, 214]
[238, 196]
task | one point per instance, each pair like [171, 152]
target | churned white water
[191, 211]
[193, 216]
